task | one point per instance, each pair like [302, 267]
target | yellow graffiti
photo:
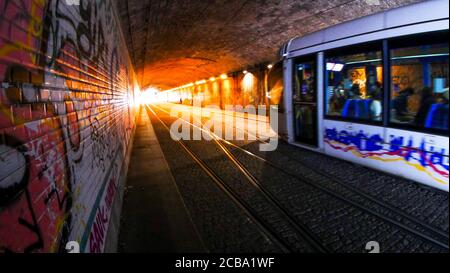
[58, 228]
[416, 166]
[35, 26]
[34, 31]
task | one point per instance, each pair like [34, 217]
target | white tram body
[374, 91]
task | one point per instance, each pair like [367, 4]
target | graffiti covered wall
[67, 114]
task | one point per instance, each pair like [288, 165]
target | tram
[374, 91]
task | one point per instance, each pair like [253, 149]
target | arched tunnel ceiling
[174, 42]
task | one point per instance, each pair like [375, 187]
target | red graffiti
[98, 232]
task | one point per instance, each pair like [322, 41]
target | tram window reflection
[355, 86]
[419, 86]
[305, 100]
[305, 82]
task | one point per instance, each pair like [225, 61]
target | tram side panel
[416, 156]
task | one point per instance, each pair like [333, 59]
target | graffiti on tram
[421, 155]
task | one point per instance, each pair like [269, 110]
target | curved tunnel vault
[172, 43]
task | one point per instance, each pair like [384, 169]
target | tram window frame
[428, 38]
[277, 67]
[312, 58]
[305, 58]
[348, 50]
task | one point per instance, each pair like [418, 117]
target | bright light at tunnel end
[260, 127]
[150, 95]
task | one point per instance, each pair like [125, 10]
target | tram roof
[427, 11]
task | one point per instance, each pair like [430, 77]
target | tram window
[304, 100]
[355, 84]
[419, 84]
[305, 81]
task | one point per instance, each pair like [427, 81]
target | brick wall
[67, 114]
[259, 86]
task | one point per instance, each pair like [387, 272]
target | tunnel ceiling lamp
[223, 76]
[245, 71]
[200, 82]
[212, 79]
[270, 66]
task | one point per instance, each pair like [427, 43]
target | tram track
[427, 233]
[442, 240]
[265, 227]
[443, 235]
[438, 236]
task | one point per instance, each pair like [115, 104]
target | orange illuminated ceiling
[172, 43]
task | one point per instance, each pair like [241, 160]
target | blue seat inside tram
[437, 117]
[357, 108]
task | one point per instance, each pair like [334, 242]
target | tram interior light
[335, 67]
[338, 67]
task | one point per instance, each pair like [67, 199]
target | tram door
[305, 101]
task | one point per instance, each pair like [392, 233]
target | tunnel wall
[260, 86]
[67, 116]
